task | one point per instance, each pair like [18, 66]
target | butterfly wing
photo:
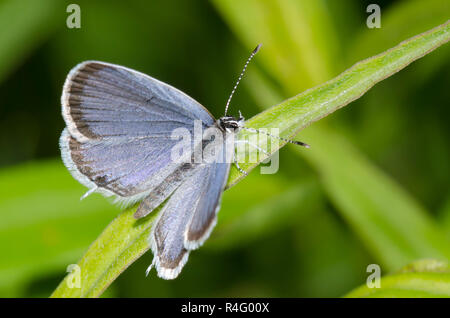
[117, 142]
[102, 100]
[187, 219]
[119, 123]
[205, 216]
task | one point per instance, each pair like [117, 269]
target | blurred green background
[303, 232]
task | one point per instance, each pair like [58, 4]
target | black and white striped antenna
[240, 76]
[295, 142]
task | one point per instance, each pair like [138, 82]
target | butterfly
[118, 142]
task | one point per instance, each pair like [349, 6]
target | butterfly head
[230, 123]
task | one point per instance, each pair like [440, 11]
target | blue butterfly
[118, 143]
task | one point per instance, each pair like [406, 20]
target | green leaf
[423, 278]
[376, 132]
[125, 239]
[46, 225]
[120, 244]
[300, 111]
[299, 40]
[391, 223]
[372, 203]
[46, 237]
[271, 210]
[370, 213]
[396, 25]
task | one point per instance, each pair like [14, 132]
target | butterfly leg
[88, 193]
[239, 168]
[295, 142]
[236, 162]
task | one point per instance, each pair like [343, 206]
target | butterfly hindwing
[185, 207]
[205, 216]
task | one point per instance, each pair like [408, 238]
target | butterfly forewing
[102, 100]
[119, 124]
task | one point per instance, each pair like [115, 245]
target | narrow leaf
[395, 228]
[44, 223]
[126, 239]
[424, 278]
[378, 218]
[300, 111]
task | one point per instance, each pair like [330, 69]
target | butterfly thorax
[230, 123]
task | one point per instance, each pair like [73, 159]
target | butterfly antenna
[240, 76]
[295, 142]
